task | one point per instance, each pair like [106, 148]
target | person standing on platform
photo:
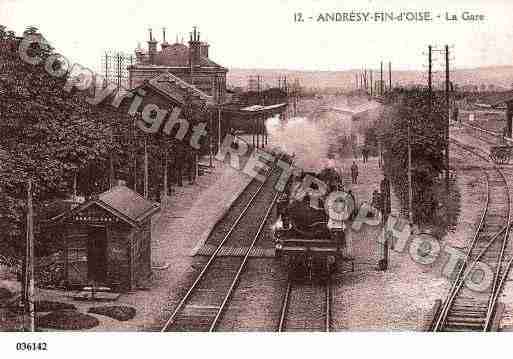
[365, 154]
[354, 172]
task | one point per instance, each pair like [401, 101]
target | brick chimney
[164, 44]
[204, 49]
[152, 49]
[139, 54]
[194, 48]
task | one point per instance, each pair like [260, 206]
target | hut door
[97, 254]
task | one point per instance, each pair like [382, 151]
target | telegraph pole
[389, 76]
[410, 184]
[370, 76]
[146, 175]
[381, 80]
[165, 169]
[430, 72]
[447, 103]
[111, 161]
[29, 264]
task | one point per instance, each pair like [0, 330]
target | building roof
[120, 201]
[174, 55]
[130, 203]
[177, 55]
[254, 110]
[168, 84]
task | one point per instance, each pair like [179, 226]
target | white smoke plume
[321, 133]
[309, 139]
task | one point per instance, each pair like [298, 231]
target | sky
[263, 34]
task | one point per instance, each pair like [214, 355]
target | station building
[190, 63]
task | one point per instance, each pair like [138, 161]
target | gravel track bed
[203, 303]
[223, 226]
[306, 310]
[256, 302]
[496, 216]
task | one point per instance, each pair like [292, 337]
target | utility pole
[370, 75]
[447, 103]
[385, 211]
[106, 69]
[410, 185]
[165, 169]
[381, 80]
[28, 299]
[210, 143]
[134, 151]
[146, 175]
[389, 76]
[430, 72]
[218, 127]
[111, 160]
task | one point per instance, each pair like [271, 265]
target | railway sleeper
[467, 313]
[468, 308]
[191, 324]
[463, 318]
[450, 325]
[474, 305]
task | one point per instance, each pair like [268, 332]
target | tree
[47, 133]
[427, 120]
[31, 30]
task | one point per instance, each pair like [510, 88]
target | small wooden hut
[107, 240]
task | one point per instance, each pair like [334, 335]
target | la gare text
[388, 16]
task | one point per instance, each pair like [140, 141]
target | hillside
[497, 76]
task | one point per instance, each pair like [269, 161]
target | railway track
[467, 309]
[306, 307]
[204, 304]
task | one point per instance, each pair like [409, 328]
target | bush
[67, 320]
[122, 313]
[48, 306]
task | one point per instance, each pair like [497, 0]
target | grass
[48, 306]
[67, 320]
[119, 312]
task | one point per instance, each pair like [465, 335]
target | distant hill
[499, 77]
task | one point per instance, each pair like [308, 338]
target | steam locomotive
[313, 227]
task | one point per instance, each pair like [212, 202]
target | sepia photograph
[334, 170]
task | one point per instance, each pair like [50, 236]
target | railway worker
[455, 114]
[354, 172]
[365, 154]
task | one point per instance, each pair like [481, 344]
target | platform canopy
[255, 110]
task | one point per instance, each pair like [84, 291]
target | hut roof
[128, 202]
[121, 202]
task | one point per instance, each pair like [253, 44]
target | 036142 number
[31, 346]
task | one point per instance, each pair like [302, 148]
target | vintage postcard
[255, 166]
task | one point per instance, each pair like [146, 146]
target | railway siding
[464, 309]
